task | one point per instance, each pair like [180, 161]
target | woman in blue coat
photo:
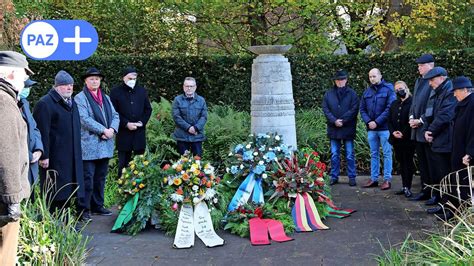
[340, 106]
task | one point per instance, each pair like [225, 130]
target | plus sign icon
[59, 40]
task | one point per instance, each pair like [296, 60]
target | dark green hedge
[226, 80]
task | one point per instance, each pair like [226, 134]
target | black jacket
[418, 107]
[132, 105]
[463, 133]
[398, 121]
[60, 128]
[440, 122]
[343, 106]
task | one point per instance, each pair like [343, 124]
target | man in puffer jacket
[374, 110]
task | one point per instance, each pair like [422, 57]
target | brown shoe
[371, 184]
[385, 185]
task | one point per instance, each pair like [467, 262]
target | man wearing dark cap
[131, 102]
[416, 120]
[100, 123]
[57, 117]
[438, 128]
[14, 185]
[462, 151]
[340, 106]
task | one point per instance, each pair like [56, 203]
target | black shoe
[433, 201]
[352, 182]
[436, 210]
[446, 216]
[408, 193]
[333, 182]
[420, 196]
[86, 217]
[401, 192]
[102, 211]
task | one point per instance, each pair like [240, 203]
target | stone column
[272, 104]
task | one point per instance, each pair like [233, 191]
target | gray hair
[190, 79]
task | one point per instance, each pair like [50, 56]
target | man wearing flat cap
[340, 106]
[100, 123]
[14, 185]
[462, 151]
[130, 99]
[57, 118]
[421, 94]
[438, 130]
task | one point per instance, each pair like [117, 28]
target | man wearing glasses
[190, 116]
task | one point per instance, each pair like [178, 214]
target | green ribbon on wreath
[126, 213]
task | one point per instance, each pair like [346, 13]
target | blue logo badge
[59, 40]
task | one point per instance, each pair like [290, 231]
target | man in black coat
[463, 147]
[340, 106]
[131, 102]
[439, 115]
[421, 93]
[57, 117]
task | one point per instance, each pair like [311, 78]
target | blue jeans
[335, 158]
[379, 139]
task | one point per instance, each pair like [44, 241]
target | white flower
[210, 170]
[278, 148]
[277, 137]
[264, 176]
[192, 169]
[270, 149]
[248, 146]
[176, 197]
[215, 200]
[195, 187]
[230, 153]
[255, 153]
[210, 193]
[260, 162]
[182, 172]
[198, 162]
[227, 170]
[174, 165]
[267, 136]
[275, 183]
[241, 166]
[196, 200]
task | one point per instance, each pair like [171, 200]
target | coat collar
[466, 100]
[55, 95]
[8, 88]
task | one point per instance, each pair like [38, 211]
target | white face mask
[131, 83]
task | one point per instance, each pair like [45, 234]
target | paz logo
[59, 40]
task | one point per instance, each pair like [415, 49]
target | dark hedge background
[226, 80]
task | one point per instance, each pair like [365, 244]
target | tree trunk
[392, 42]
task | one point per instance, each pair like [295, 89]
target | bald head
[375, 76]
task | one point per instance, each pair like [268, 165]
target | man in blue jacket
[340, 105]
[189, 112]
[374, 110]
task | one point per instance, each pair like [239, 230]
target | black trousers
[404, 156]
[124, 157]
[421, 154]
[453, 195]
[95, 173]
[439, 165]
[194, 147]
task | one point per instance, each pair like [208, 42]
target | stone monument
[272, 105]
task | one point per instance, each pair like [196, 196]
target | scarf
[97, 103]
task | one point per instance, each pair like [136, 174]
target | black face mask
[401, 94]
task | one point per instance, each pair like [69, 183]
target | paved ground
[381, 219]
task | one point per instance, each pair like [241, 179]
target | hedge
[226, 80]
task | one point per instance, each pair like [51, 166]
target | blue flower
[234, 169]
[248, 156]
[238, 148]
[270, 156]
[262, 148]
[259, 169]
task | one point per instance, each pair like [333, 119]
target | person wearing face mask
[340, 106]
[100, 123]
[400, 136]
[14, 185]
[57, 118]
[189, 112]
[374, 110]
[130, 100]
[35, 145]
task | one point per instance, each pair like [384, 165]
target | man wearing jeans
[374, 110]
[340, 105]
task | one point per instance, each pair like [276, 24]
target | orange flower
[177, 181]
[141, 185]
[197, 158]
[179, 191]
[203, 180]
[208, 184]
[179, 168]
[185, 177]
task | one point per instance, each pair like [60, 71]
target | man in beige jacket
[14, 185]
